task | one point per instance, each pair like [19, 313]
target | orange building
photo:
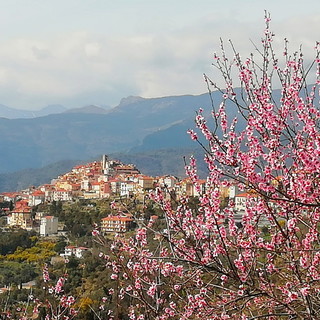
[116, 224]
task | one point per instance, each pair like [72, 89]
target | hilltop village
[105, 179]
[56, 223]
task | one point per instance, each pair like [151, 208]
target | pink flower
[95, 232]
[193, 134]
[224, 278]
[45, 273]
[305, 291]
[59, 286]
[152, 290]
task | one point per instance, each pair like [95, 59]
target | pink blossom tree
[205, 265]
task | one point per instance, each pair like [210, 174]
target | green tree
[9, 241]
[16, 273]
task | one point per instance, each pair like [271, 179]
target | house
[85, 184]
[37, 197]
[96, 187]
[11, 196]
[21, 216]
[106, 190]
[48, 226]
[61, 195]
[200, 190]
[63, 184]
[168, 181]
[39, 215]
[126, 169]
[20, 219]
[186, 187]
[115, 185]
[127, 188]
[116, 224]
[240, 201]
[78, 252]
[48, 191]
[146, 182]
[90, 195]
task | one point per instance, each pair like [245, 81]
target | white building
[37, 197]
[241, 202]
[127, 188]
[234, 190]
[168, 181]
[78, 252]
[48, 226]
[62, 195]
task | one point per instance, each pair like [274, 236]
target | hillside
[22, 179]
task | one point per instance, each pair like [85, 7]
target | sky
[81, 52]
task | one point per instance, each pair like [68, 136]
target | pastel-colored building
[116, 224]
[146, 182]
[20, 216]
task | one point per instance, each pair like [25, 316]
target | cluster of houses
[98, 180]
[23, 216]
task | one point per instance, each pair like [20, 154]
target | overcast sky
[80, 52]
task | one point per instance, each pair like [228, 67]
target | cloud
[79, 63]
[76, 67]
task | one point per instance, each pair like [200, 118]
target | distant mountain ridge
[19, 180]
[136, 125]
[88, 109]
[84, 133]
[12, 113]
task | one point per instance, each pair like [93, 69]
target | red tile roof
[38, 193]
[243, 195]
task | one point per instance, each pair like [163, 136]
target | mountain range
[153, 163]
[152, 132]
[12, 113]
[136, 124]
